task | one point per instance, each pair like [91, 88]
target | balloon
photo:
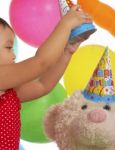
[32, 114]
[102, 14]
[21, 148]
[82, 66]
[36, 21]
[15, 47]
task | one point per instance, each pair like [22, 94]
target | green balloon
[32, 115]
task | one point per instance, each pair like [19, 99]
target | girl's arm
[46, 83]
[14, 75]
[49, 79]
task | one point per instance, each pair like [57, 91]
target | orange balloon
[102, 14]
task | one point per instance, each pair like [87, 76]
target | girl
[33, 77]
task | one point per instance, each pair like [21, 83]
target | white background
[101, 37]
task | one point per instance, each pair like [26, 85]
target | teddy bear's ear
[78, 94]
[49, 121]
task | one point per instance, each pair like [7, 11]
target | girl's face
[7, 55]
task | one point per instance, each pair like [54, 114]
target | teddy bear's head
[80, 124]
[86, 120]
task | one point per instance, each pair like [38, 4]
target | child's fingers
[75, 8]
[87, 20]
[86, 17]
[80, 11]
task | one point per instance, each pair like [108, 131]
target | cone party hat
[65, 6]
[101, 88]
[83, 31]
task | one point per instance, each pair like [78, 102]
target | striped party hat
[101, 88]
[65, 6]
[83, 31]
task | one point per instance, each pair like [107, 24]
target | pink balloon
[34, 20]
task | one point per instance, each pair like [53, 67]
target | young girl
[33, 77]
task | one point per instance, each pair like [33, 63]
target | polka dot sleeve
[9, 121]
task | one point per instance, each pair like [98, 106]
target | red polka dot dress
[9, 121]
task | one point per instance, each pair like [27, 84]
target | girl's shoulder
[9, 96]
[2, 92]
[5, 92]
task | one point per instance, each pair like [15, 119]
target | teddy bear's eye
[107, 107]
[84, 107]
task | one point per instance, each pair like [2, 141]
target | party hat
[83, 31]
[65, 6]
[101, 86]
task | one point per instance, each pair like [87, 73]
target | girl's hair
[5, 24]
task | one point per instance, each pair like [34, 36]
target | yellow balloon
[82, 65]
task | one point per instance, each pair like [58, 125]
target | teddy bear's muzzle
[97, 116]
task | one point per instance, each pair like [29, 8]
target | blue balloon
[15, 47]
[21, 148]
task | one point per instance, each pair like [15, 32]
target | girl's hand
[75, 17]
[71, 48]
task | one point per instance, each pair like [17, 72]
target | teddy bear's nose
[97, 116]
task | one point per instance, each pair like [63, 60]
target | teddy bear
[86, 120]
[77, 124]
